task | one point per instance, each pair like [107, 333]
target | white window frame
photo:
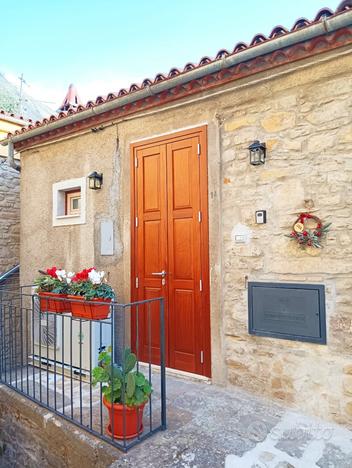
[59, 202]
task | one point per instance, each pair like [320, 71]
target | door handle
[160, 273]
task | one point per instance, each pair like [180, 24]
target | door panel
[151, 245]
[183, 253]
[170, 235]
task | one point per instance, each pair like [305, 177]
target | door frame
[201, 132]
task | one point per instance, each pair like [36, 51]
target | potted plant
[89, 286]
[51, 285]
[125, 394]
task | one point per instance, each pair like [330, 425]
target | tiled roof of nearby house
[5, 115]
[258, 40]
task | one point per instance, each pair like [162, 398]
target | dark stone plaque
[293, 311]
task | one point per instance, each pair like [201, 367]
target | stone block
[276, 122]
[239, 122]
[347, 385]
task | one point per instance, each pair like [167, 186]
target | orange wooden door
[170, 235]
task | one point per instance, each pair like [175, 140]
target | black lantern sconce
[257, 153]
[95, 180]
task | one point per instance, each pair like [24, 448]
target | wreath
[305, 236]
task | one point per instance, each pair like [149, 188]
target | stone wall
[9, 216]
[32, 437]
[303, 113]
[308, 132]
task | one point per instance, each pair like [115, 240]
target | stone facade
[303, 113]
[309, 136]
[32, 437]
[9, 216]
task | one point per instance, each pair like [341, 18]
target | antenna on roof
[23, 81]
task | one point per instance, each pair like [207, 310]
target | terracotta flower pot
[49, 304]
[89, 310]
[125, 421]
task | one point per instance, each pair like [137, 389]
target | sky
[104, 45]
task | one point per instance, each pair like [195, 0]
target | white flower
[70, 274]
[61, 274]
[95, 276]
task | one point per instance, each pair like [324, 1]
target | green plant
[47, 283]
[121, 384]
[89, 291]
[90, 284]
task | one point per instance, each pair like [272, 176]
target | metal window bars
[49, 358]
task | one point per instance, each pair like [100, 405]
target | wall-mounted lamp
[257, 153]
[95, 180]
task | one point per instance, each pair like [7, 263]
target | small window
[73, 203]
[69, 202]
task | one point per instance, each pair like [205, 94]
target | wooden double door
[170, 249]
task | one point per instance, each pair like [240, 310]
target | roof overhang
[319, 37]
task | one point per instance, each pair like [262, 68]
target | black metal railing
[48, 353]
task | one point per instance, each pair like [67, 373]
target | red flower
[52, 272]
[82, 275]
[319, 225]
[318, 234]
[305, 233]
[293, 234]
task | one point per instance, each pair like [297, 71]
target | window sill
[68, 216]
[68, 220]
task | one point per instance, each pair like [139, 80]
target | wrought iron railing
[50, 358]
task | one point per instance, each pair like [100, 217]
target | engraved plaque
[293, 311]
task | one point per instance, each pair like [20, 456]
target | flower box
[89, 310]
[49, 303]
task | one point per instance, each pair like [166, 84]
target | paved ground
[214, 427]
[209, 426]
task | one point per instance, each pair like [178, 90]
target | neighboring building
[14, 101]
[71, 100]
[9, 123]
[9, 198]
[179, 195]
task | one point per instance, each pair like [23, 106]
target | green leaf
[130, 361]
[131, 385]
[147, 388]
[140, 379]
[117, 372]
[117, 384]
[99, 374]
[139, 395]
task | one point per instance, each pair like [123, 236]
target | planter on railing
[54, 283]
[88, 310]
[49, 302]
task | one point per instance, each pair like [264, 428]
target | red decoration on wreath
[305, 236]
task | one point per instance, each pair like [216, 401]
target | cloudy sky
[104, 45]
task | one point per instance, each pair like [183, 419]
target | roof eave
[325, 26]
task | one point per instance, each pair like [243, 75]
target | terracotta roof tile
[12, 115]
[300, 23]
[240, 46]
[323, 13]
[278, 31]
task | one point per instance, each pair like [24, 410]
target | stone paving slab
[215, 427]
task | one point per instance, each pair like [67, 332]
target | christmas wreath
[305, 236]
